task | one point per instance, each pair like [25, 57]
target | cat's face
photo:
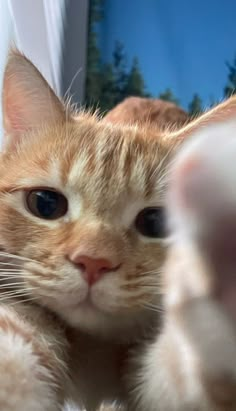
[80, 202]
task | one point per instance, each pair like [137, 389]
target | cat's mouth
[85, 305]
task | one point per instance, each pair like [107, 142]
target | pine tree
[120, 71]
[107, 93]
[195, 106]
[109, 83]
[135, 83]
[168, 95]
[212, 101]
[230, 87]
[93, 79]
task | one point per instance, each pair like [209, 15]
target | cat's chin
[88, 315]
[88, 318]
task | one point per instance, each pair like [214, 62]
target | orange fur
[108, 173]
[158, 113]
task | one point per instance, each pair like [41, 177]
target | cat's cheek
[65, 301]
[106, 294]
[60, 289]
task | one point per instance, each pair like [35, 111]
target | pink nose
[93, 268]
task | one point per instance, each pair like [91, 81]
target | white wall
[7, 35]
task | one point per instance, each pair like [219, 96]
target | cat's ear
[222, 114]
[28, 100]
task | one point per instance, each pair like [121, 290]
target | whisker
[10, 264]
[16, 292]
[14, 273]
[154, 271]
[154, 288]
[150, 285]
[22, 297]
[20, 283]
[24, 275]
[20, 301]
[10, 270]
[153, 282]
[15, 256]
[11, 276]
[156, 309]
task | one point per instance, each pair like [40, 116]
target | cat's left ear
[28, 100]
[221, 115]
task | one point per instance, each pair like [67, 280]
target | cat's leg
[192, 363]
[31, 363]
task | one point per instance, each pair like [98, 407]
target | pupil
[154, 221]
[46, 202]
[151, 222]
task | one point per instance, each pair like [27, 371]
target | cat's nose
[93, 268]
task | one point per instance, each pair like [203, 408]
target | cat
[155, 112]
[82, 239]
[191, 363]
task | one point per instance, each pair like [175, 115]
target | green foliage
[120, 71]
[230, 87]
[212, 101]
[109, 84]
[107, 95]
[118, 82]
[195, 106]
[167, 95]
[135, 83]
[93, 79]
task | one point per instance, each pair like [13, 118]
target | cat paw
[201, 268]
[202, 212]
[25, 382]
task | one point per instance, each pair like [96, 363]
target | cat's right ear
[28, 100]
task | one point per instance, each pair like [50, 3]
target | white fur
[24, 381]
[77, 169]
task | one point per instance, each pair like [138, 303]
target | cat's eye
[47, 204]
[150, 222]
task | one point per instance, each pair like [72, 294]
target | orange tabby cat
[82, 243]
[82, 246]
[192, 363]
[155, 112]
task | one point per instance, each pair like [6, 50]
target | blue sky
[181, 44]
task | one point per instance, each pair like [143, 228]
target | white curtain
[7, 35]
[39, 32]
[36, 27]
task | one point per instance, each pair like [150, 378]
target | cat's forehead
[114, 160]
[96, 159]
